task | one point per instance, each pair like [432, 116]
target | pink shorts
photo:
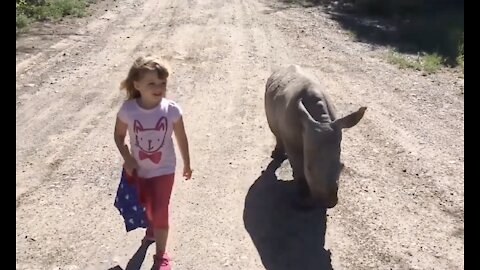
[154, 194]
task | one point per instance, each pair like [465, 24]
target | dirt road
[401, 198]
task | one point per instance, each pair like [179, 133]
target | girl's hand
[130, 165]
[187, 172]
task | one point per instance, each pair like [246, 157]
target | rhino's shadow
[285, 238]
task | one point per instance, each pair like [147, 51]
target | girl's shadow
[135, 263]
[285, 238]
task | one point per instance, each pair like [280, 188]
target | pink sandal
[161, 263]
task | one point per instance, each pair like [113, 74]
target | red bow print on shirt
[154, 157]
[150, 140]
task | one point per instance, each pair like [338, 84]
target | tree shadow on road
[135, 263]
[413, 27]
[285, 238]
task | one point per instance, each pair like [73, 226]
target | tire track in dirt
[217, 72]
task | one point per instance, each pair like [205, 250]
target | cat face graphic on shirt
[150, 140]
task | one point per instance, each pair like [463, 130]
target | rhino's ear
[305, 116]
[349, 120]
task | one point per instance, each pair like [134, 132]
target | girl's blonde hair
[141, 65]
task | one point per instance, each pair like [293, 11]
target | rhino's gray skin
[307, 130]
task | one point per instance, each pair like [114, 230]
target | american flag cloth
[128, 204]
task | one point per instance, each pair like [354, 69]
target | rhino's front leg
[296, 161]
[279, 152]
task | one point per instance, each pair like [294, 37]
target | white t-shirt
[150, 133]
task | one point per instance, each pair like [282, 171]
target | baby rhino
[308, 131]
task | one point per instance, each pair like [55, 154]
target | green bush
[30, 10]
[22, 20]
[429, 63]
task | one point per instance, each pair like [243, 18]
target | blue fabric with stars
[129, 206]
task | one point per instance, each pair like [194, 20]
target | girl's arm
[181, 136]
[119, 136]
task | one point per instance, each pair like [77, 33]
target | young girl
[151, 119]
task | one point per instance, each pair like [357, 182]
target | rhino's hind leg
[279, 152]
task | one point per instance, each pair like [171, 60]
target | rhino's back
[283, 90]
